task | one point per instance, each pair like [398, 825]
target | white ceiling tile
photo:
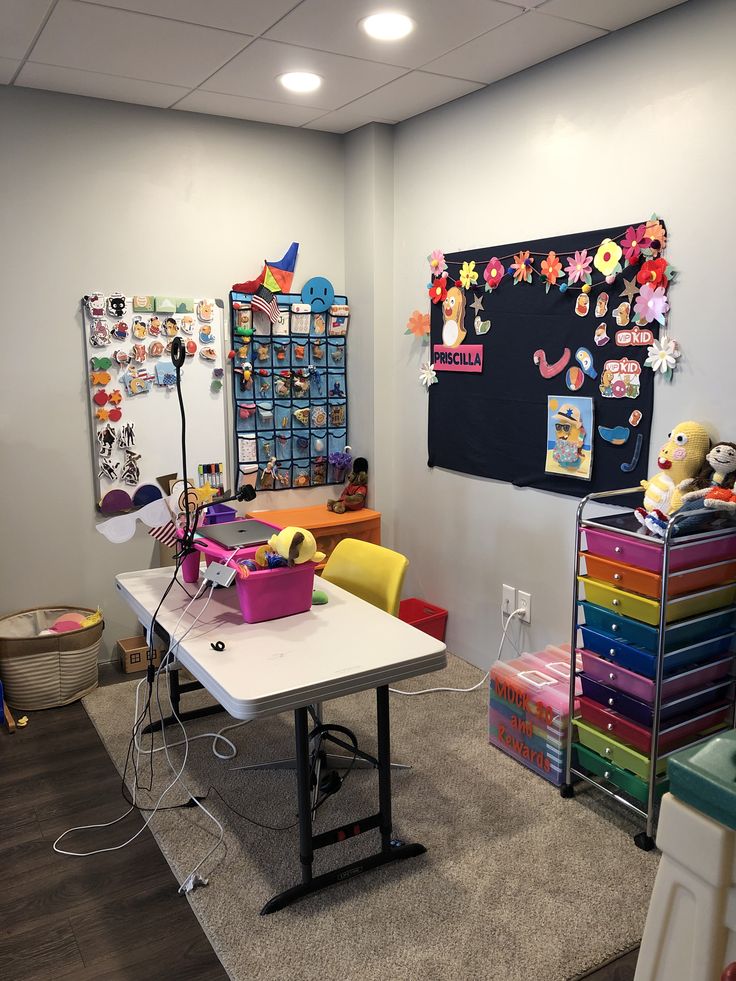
[242, 16]
[333, 25]
[98, 86]
[254, 74]
[8, 68]
[603, 13]
[117, 42]
[522, 42]
[344, 120]
[217, 104]
[19, 21]
[412, 94]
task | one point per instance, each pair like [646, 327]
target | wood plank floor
[111, 917]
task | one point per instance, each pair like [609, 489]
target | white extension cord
[486, 676]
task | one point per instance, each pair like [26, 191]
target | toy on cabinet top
[679, 460]
[355, 491]
[714, 488]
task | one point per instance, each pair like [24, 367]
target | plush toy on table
[355, 491]
[679, 461]
[714, 488]
[295, 546]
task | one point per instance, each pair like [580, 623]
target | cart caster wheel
[643, 841]
[567, 790]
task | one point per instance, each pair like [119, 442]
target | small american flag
[263, 299]
[166, 534]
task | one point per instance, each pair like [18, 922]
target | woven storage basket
[44, 672]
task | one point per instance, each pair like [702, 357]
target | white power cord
[486, 676]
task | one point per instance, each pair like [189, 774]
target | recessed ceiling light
[388, 26]
[300, 81]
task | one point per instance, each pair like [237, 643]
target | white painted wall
[636, 122]
[101, 195]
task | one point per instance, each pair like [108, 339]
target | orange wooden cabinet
[326, 526]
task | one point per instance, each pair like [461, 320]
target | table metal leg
[391, 851]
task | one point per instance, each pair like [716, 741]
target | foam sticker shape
[139, 329]
[143, 304]
[122, 528]
[601, 338]
[121, 358]
[550, 370]
[130, 471]
[636, 337]
[620, 379]
[574, 378]
[190, 348]
[126, 435]
[116, 304]
[99, 377]
[101, 397]
[187, 325]
[635, 418]
[120, 331]
[95, 304]
[319, 293]
[99, 333]
[481, 326]
[108, 470]
[102, 415]
[165, 374]
[100, 364]
[632, 464]
[106, 438]
[206, 334]
[585, 359]
[622, 314]
[205, 310]
[116, 397]
[616, 435]
[601, 305]
[115, 415]
[170, 326]
[139, 353]
[208, 354]
[165, 304]
[155, 349]
[215, 385]
[582, 305]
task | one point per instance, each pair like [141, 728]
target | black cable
[250, 820]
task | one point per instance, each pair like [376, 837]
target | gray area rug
[517, 884]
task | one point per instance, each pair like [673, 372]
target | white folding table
[336, 649]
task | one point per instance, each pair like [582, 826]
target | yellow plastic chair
[369, 571]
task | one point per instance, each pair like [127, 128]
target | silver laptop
[238, 534]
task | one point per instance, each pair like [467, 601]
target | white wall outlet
[525, 603]
[508, 599]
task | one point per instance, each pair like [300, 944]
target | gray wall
[102, 195]
[636, 122]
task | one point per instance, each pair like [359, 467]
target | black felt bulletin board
[494, 424]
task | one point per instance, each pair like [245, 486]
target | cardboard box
[133, 654]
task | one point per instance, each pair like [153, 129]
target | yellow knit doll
[679, 461]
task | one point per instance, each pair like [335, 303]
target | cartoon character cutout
[95, 303]
[116, 304]
[205, 311]
[569, 448]
[453, 313]
[569, 437]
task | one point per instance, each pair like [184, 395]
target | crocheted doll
[680, 459]
[711, 488]
[355, 491]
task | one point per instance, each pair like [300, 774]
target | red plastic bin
[425, 616]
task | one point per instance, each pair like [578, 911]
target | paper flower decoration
[657, 233]
[578, 267]
[418, 324]
[438, 290]
[607, 257]
[634, 241]
[662, 356]
[522, 268]
[493, 273]
[551, 269]
[468, 275]
[651, 304]
[652, 272]
[427, 374]
[436, 260]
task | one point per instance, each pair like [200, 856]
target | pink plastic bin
[269, 594]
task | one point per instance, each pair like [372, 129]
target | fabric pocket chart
[289, 391]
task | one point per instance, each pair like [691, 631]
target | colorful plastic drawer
[521, 734]
[614, 751]
[678, 635]
[643, 712]
[514, 748]
[648, 555]
[646, 610]
[673, 735]
[642, 662]
[557, 663]
[650, 584]
[555, 739]
[630, 784]
[636, 685]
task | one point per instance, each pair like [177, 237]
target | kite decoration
[277, 275]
